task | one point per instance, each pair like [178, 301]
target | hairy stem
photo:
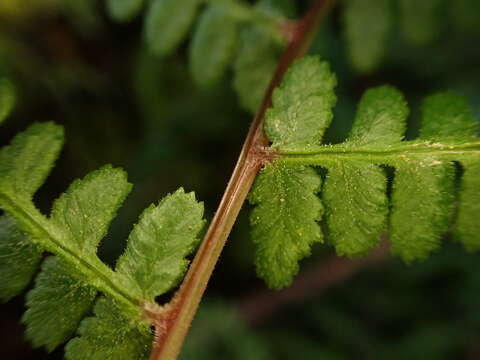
[391, 153]
[172, 321]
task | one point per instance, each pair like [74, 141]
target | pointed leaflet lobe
[422, 204]
[424, 187]
[56, 305]
[27, 161]
[19, 259]
[381, 117]
[284, 220]
[213, 44]
[124, 10]
[154, 260]
[356, 206]
[354, 194]
[367, 27]
[167, 23]
[447, 116]
[257, 56]
[109, 335]
[302, 105]
[89, 205]
[254, 66]
[7, 98]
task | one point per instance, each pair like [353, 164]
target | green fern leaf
[167, 23]
[254, 66]
[257, 57]
[356, 206]
[56, 305]
[210, 52]
[355, 189]
[367, 28]
[153, 263]
[19, 259]
[81, 216]
[302, 105]
[447, 116]
[285, 199]
[124, 10]
[381, 117]
[87, 208]
[355, 193]
[420, 20]
[110, 335]
[422, 204]
[35, 151]
[7, 98]
[284, 222]
[154, 260]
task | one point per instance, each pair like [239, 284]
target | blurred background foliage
[122, 105]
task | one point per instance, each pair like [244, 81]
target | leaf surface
[284, 220]
[355, 190]
[422, 204]
[213, 44]
[154, 260]
[109, 335]
[56, 305]
[88, 207]
[167, 23]
[381, 117]
[258, 55]
[302, 105]
[356, 206]
[27, 161]
[447, 116]
[19, 259]
[254, 66]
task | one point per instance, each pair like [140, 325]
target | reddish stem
[172, 321]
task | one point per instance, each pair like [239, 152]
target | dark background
[121, 105]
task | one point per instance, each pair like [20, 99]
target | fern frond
[284, 222]
[302, 109]
[355, 190]
[152, 268]
[227, 33]
[65, 290]
[56, 305]
[110, 335]
[210, 53]
[367, 28]
[167, 22]
[258, 54]
[19, 259]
